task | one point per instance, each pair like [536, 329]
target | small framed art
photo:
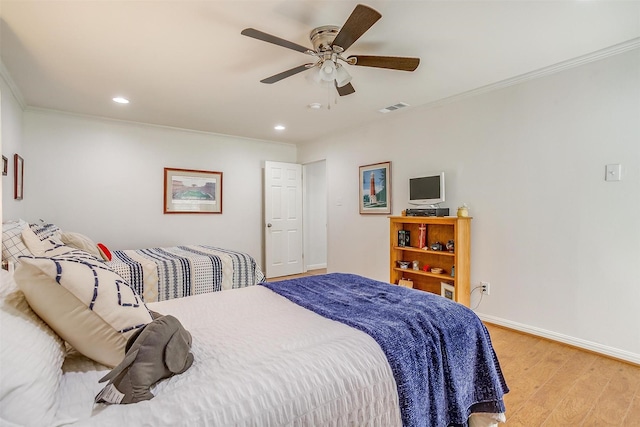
[192, 191]
[5, 165]
[18, 177]
[375, 188]
[447, 291]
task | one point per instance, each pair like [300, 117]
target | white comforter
[260, 360]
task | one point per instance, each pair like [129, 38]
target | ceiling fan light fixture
[315, 76]
[328, 71]
[342, 76]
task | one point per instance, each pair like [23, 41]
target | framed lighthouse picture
[375, 188]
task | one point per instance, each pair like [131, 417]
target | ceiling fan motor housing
[322, 37]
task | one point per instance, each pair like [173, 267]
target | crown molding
[4, 73]
[542, 72]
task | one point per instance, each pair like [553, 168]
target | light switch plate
[613, 172]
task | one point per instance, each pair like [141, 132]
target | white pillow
[45, 230]
[49, 247]
[84, 301]
[36, 246]
[80, 241]
[12, 244]
[31, 357]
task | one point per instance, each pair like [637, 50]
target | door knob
[269, 225]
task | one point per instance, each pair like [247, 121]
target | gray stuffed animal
[161, 349]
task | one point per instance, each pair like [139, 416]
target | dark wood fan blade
[257, 34]
[285, 74]
[391, 62]
[347, 89]
[360, 20]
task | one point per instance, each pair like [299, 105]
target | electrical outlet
[485, 287]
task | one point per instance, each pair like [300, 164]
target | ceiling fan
[329, 43]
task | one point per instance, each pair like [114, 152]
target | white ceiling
[185, 64]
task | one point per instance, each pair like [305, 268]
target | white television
[427, 189]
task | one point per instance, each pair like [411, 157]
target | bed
[300, 352]
[156, 274]
[159, 274]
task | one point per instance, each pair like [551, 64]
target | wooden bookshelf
[438, 230]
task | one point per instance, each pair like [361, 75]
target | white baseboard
[576, 342]
[316, 266]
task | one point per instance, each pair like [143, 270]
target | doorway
[314, 213]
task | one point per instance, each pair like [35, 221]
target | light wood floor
[552, 384]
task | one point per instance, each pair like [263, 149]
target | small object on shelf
[447, 291]
[422, 240]
[450, 246]
[416, 265]
[437, 270]
[426, 267]
[404, 238]
[407, 283]
[453, 271]
[404, 264]
[463, 211]
[436, 246]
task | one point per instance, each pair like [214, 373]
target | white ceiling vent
[394, 107]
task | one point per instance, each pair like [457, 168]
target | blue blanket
[439, 351]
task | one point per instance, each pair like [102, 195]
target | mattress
[159, 274]
[260, 360]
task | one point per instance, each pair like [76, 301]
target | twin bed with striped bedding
[159, 274]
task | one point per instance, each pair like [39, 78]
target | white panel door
[283, 218]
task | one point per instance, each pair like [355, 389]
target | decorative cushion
[31, 357]
[80, 241]
[12, 244]
[105, 253]
[48, 247]
[45, 231]
[84, 301]
[36, 246]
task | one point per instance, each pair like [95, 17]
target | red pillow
[105, 252]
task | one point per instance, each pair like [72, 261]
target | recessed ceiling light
[315, 106]
[279, 127]
[120, 100]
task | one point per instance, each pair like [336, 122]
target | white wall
[11, 128]
[559, 245]
[105, 179]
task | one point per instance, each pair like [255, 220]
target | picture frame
[447, 291]
[190, 191]
[375, 188]
[18, 177]
[5, 165]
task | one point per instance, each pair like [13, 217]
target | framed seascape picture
[192, 191]
[18, 177]
[375, 188]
